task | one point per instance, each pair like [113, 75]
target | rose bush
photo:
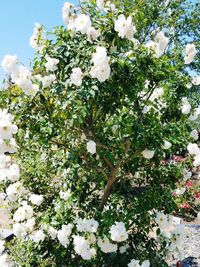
[108, 101]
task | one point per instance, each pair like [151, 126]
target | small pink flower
[188, 184]
[197, 194]
[184, 206]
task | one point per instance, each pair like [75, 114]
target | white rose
[9, 63]
[148, 154]
[91, 147]
[36, 199]
[167, 144]
[76, 76]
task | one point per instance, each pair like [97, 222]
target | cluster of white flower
[190, 52]
[159, 45]
[172, 232]
[20, 75]
[80, 23]
[37, 38]
[125, 27]
[101, 68]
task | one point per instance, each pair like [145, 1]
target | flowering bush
[107, 102]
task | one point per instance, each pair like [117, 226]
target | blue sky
[17, 18]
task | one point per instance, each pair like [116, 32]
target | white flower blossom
[148, 154]
[193, 149]
[51, 64]
[194, 134]
[125, 27]
[82, 23]
[36, 199]
[106, 246]
[65, 194]
[38, 236]
[64, 233]
[196, 80]
[87, 225]
[185, 107]
[9, 63]
[91, 147]
[190, 52]
[167, 145]
[76, 76]
[161, 219]
[118, 232]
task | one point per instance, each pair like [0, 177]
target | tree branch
[113, 177]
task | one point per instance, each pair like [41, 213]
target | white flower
[38, 236]
[118, 232]
[186, 174]
[36, 199]
[190, 52]
[106, 246]
[7, 129]
[76, 76]
[194, 134]
[101, 68]
[46, 80]
[193, 149]
[180, 191]
[91, 147]
[92, 34]
[100, 56]
[2, 247]
[82, 248]
[145, 263]
[87, 225]
[148, 154]
[82, 23]
[22, 213]
[185, 107]
[4, 260]
[13, 190]
[100, 4]
[102, 73]
[196, 80]
[66, 12]
[51, 64]
[196, 161]
[134, 263]
[153, 47]
[36, 40]
[64, 233]
[52, 232]
[125, 27]
[162, 41]
[198, 216]
[9, 63]
[65, 195]
[13, 173]
[158, 46]
[29, 225]
[161, 219]
[167, 144]
[19, 230]
[157, 93]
